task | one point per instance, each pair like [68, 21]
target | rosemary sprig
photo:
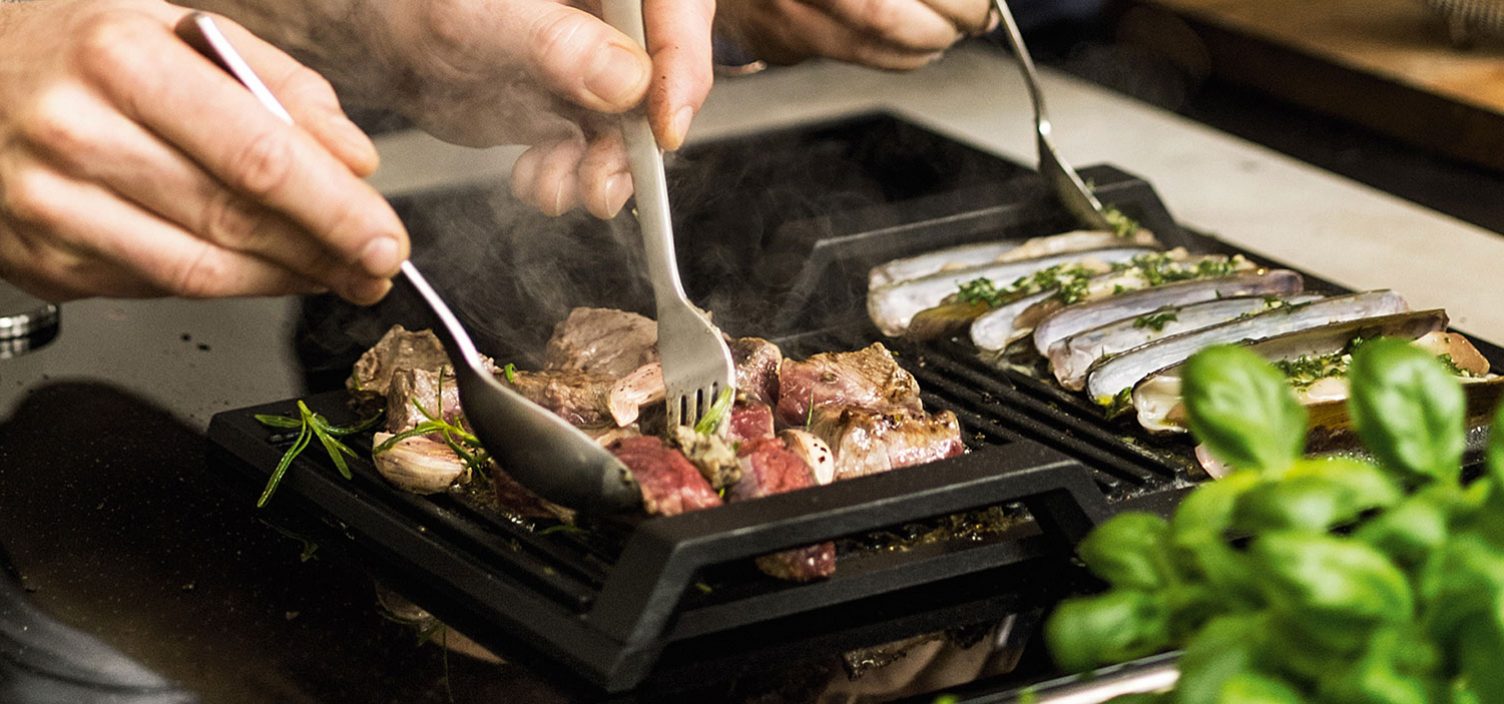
[461, 441]
[719, 412]
[310, 425]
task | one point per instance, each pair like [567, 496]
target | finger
[85, 218]
[821, 34]
[678, 33]
[969, 16]
[90, 141]
[555, 189]
[159, 81]
[905, 24]
[308, 97]
[605, 181]
[577, 55]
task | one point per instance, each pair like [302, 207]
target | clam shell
[892, 306]
[1158, 402]
[1071, 357]
[999, 251]
[1110, 377]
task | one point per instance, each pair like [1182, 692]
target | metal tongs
[697, 366]
[1063, 179]
[537, 448]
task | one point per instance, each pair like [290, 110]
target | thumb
[568, 51]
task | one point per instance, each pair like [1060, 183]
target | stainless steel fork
[697, 366]
[1068, 186]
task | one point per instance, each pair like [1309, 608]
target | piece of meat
[521, 501]
[757, 362]
[633, 391]
[411, 388]
[582, 399]
[602, 341]
[750, 421]
[868, 443]
[867, 379]
[769, 467]
[398, 349]
[670, 483]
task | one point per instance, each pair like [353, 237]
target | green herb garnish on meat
[718, 413]
[310, 426]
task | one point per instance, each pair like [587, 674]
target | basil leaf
[1254, 688]
[1478, 651]
[1408, 409]
[1372, 487]
[1376, 677]
[1494, 454]
[1107, 628]
[1313, 504]
[1411, 530]
[1221, 652]
[1128, 551]
[1334, 581]
[1242, 409]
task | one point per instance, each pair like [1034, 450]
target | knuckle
[199, 275]
[28, 196]
[230, 221]
[449, 35]
[881, 17]
[306, 86]
[109, 42]
[55, 123]
[562, 38]
[263, 164]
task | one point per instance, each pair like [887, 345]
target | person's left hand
[889, 34]
[546, 74]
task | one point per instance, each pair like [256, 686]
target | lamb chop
[603, 341]
[866, 442]
[867, 379]
[397, 350]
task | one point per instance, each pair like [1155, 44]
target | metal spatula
[697, 366]
[1068, 186]
[537, 448]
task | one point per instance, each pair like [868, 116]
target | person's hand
[889, 34]
[132, 166]
[547, 74]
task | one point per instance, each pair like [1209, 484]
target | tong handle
[649, 181]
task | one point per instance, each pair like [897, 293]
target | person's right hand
[132, 166]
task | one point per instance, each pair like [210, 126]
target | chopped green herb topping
[1070, 280]
[510, 372]
[1122, 225]
[1453, 367]
[1155, 321]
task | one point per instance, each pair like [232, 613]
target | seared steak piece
[521, 501]
[410, 388]
[749, 421]
[757, 362]
[602, 341]
[580, 398]
[768, 467]
[670, 484]
[868, 443]
[396, 350]
[867, 379]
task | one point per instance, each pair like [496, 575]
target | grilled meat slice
[602, 341]
[865, 442]
[398, 349]
[580, 398]
[867, 379]
[757, 362]
[521, 501]
[769, 467]
[411, 388]
[670, 483]
[750, 421]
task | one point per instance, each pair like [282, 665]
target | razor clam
[1001, 327]
[999, 251]
[1085, 316]
[1071, 357]
[1157, 399]
[1111, 377]
[892, 306]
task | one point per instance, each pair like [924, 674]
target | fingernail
[616, 76]
[618, 189]
[680, 126]
[369, 291]
[381, 257]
